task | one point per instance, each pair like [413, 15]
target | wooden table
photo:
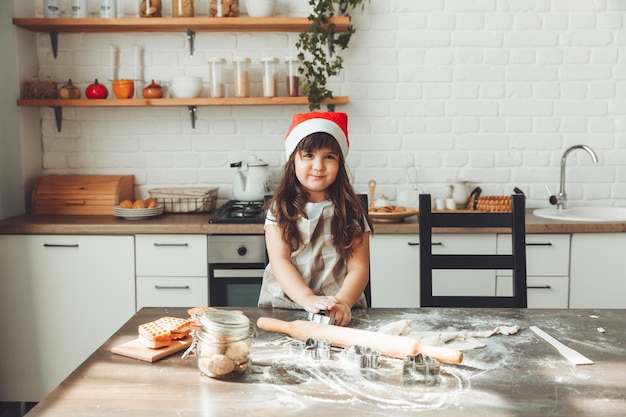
[515, 375]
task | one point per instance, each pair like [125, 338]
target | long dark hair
[288, 202]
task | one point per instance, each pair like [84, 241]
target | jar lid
[241, 59]
[269, 59]
[292, 59]
[216, 59]
[222, 319]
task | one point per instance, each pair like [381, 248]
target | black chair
[512, 222]
[368, 289]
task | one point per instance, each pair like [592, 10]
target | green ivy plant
[317, 46]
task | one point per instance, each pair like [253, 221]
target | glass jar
[150, 8]
[182, 8]
[52, 8]
[216, 77]
[80, 8]
[108, 8]
[293, 76]
[223, 344]
[242, 77]
[270, 86]
[224, 8]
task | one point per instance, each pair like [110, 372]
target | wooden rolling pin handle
[388, 345]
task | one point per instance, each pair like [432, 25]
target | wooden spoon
[372, 185]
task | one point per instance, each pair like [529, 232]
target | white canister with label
[52, 8]
[80, 8]
[108, 8]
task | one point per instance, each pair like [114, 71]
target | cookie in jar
[150, 8]
[223, 344]
[224, 8]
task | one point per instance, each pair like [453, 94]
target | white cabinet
[172, 270]
[61, 296]
[547, 269]
[598, 270]
[394, 268]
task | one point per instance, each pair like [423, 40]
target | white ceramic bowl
[185, 86]
[260, 8]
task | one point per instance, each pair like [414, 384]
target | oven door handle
[170, 244]
[168, 287]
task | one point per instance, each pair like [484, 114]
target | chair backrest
[368, 289]
[513, 222]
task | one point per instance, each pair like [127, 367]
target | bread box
[81, 194]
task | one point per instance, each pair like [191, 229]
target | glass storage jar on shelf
[293, 77]
[224, 8]
[241, 74]
[183, 8]
[150, 8]
[223, 344]
[270, 87]
[216, 77]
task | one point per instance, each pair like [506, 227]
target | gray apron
[317, 260]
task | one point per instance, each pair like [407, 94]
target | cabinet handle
[539, 244]
[166, 287]
[50, 245]
[539, 287]
[170, 244]
[413, 243]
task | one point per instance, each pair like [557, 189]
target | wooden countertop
[199, 224]
[518, 375]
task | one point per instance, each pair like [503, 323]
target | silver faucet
[561, 197]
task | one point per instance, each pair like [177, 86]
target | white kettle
[253, 179]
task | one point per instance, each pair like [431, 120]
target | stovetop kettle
[253, 179]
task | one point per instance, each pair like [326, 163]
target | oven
[236, 262]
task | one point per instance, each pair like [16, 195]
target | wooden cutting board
[135, 349]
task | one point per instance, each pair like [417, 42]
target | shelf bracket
[191, 36]
[58, 116]
[192, 116]
[330, 107]
[54, 41]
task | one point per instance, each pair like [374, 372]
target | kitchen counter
[199, 224]
[516, 375]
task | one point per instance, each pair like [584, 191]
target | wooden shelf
[173, 102]
[178, 24]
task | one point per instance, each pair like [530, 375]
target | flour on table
[460, 340]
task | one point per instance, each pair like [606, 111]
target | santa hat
[302, 125]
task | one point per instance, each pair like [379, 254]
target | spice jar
[293, 77]
[216, 77]
[224, 8]
[182, 8]
[223, 344]
[150, 8]
[242, 77]
[108, 8]
[52, 8]
[270, 86]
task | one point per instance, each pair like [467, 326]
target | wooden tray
[394, 217]
[135, 349]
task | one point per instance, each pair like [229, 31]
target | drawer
[543, 292]
[171, 255]
[546, 254]
[172, 292]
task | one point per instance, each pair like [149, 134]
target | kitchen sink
[584, 214]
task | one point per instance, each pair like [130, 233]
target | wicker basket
[185, 200]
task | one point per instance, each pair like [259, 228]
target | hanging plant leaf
[317, 48]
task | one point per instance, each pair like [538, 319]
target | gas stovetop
[240, 212]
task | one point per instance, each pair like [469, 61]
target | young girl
[317, 230]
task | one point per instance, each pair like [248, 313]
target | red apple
[96, 90]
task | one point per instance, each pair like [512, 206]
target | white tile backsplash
[491, 91]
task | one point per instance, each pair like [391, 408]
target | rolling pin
[388, 345]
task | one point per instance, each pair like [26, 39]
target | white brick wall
[489, 90]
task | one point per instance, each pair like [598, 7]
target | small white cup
[440, 204]
[450, 204]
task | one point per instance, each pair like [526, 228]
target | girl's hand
[317, 303]
[341, 313]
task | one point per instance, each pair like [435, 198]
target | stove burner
[234, 211]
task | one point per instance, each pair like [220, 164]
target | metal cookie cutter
[316, 349]
[362, 356]
[420, 364]
[321, 318]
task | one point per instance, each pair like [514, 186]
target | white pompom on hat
[302, 125]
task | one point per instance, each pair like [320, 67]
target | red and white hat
[302, 125]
